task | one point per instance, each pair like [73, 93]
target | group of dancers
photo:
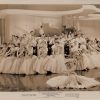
[28, 54]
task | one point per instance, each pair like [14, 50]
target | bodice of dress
[81, 40]
[34, 43]
[42, 47]
[51, 41]
[62, 43]
[57, 49]
[42, 43]
[30, 50]
[24, 41]
[75, 46]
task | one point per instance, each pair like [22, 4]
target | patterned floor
[38, 82]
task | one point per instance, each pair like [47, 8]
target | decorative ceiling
[40, 7]
[75, 10]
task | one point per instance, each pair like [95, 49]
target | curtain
[2, 31]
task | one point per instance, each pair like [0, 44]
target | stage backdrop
[20, 24]
[90, 28]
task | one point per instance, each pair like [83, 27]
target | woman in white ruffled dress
[76, 54]
[42, 58]
[7, 60]
[72, 80]
[86, 59]
[26, 66]
[56, 63]
[80, 53]
[18, 60]
[94, 55]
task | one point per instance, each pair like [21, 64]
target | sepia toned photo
[49, 47]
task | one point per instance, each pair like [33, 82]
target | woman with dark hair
[56, 63]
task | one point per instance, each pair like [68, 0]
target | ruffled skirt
[6, 64]
[72, 81]
[56, 64]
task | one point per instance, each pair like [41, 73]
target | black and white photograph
[49, 47]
